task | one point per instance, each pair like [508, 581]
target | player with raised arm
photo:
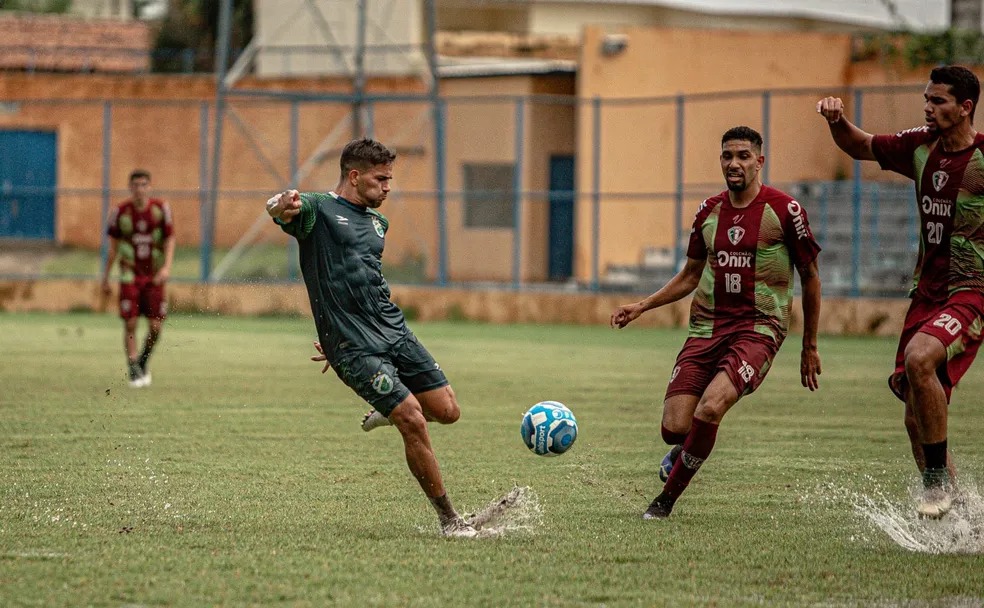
[743, 247]
[942, 330]
[362, 334]
[141, 234]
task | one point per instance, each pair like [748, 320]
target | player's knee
[673, 436]
[712, 409]
[442, 406]
[918, 363]
[408, 418]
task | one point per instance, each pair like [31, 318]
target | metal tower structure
[351, 50]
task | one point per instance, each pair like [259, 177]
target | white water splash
[960, 531]
[517, 511]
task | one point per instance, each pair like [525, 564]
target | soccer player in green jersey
[943, 327]
[743, 248]
[362, 334]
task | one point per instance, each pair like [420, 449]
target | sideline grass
[241, 476]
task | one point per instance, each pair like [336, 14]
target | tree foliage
[36, 6]
[188, 34]
[922, 49]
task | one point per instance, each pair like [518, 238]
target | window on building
[489, 195]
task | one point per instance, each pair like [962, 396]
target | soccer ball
[549, 428]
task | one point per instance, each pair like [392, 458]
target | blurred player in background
[141, 235]
[743, 247]
[942, 330]
[362, 334]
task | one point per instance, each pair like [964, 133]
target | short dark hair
[743, 134]
[138, 173]
[364, 153]
[963, 83]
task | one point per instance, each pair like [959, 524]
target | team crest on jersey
[379, 227]
[939, 179]
[382, 383]
[735, 233]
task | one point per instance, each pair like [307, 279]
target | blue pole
[221, 65]
[370, 118]
[595, 192]
[856, 202]
[294, 131]
[766, 121]
[678, 196]
[875, 238]
[442, 203]
[107, 145]
[203, 264]
[518, 194]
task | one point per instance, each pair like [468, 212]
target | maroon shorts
[142, 299]
[956, 322]
[745, 356]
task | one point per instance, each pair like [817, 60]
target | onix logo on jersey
[939, 179]
[797, 212]
[937, 206]
[735, 233]
[727, 259]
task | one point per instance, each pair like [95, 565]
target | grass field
[241, 476]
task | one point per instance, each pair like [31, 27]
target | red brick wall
[60, 43]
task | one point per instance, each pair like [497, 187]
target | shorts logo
[676, 370]
[382, 383]
[746, 371]
[379, 227]
[125, 305]
[939, 179]
[735, 233]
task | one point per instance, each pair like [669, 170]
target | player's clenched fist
[831, 108]
[284, 206]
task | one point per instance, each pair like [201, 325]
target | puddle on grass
[517, 511]
[961, 531]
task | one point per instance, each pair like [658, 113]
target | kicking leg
[409, 419]
[678, 412]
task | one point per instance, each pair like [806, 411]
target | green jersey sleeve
[303, 223]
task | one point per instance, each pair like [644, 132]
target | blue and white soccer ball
[549, 428]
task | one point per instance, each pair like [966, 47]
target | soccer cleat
[458, 528]
[936, 499]
[145, 379]
[668, 461]
[374, 419]
[136, 377]
[659, 508]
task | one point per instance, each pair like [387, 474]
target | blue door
[27, 184]
[561, 248]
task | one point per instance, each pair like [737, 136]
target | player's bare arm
[681, 285]
[284, 206]
[810, 356]
[847, 136]
[110, 258]
[164, 273]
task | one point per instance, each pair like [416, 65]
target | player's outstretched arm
[847, 136]
[681, 285]
[284, 206]
[810, 357]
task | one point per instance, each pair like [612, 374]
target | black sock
[133, 369]
[935, 454]
[144, 357]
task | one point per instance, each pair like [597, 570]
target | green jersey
[341, 250]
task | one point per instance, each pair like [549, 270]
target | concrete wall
[839, 316]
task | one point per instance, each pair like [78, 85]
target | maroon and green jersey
[141, 234]
[747, 284]
[950, 192]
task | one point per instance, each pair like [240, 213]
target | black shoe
[659, 508]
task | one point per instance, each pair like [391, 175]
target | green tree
[36, 6]
[188, 34]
